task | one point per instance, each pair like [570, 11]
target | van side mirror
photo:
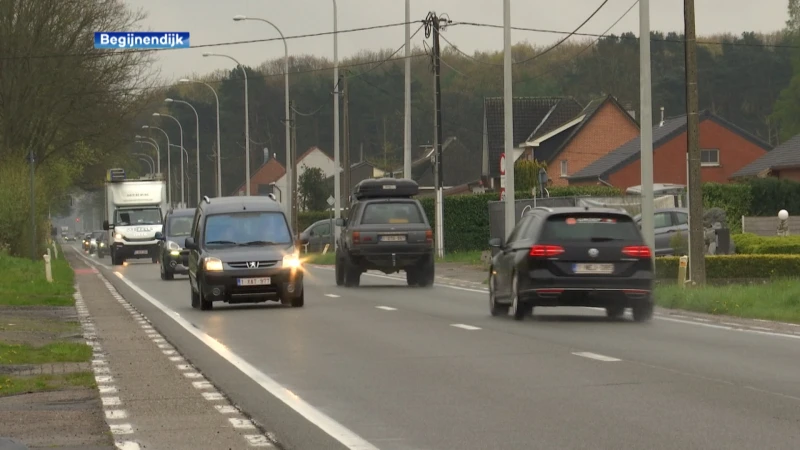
[190, 244]
[340, 222]
[159, 236]
[107, 226]
[495, 242]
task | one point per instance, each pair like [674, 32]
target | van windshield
[135, 216]
[247, 228]
[589, 227]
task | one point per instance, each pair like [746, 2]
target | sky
[211, 21]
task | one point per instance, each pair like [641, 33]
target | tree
[526, 174]
[312, 190]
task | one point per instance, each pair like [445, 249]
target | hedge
[751, 244]
[721, 267]
[762, 197]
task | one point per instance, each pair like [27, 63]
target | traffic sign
[502, 164]
[331, 200]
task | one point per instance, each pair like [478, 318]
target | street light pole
[290, 170]
[407, 112]
[219, 148]
[337, 188]
[508, 119]
[154, 143]
[197, 139]
[646, 133]
[246, 120]
[169, 163]
[180, 127]
[184, 153]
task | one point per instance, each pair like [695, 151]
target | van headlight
[291, 261]
[173, 246]
[213, 265]
[117, 236]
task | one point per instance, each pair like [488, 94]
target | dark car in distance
[172, 257]
[241, 250]
[583, 257]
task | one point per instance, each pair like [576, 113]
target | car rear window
[180, 225]
[589, 227]
[391, 213]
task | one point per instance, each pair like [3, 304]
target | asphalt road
[413, 368]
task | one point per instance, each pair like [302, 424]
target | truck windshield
[133, 216]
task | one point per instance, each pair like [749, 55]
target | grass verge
[50, 353]
[41, 383]
[777, 300]
[23, 282]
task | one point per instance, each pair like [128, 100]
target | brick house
[534, 117]
[782, 162]
[603, 126]
[261, 182]
[725, 149]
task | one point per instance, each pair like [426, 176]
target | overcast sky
[210, 21]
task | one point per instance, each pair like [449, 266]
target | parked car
[588, 257]
[173, 258]
[241, 251]
[386, 230]
[667, 224]
[317, 235]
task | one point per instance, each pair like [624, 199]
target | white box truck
[134, 214]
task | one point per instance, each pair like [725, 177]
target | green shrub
[751, 244]
[770, 195]
[722, 267]
[735, 199]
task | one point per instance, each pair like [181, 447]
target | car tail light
[429, 236]
[638, 251]
[356, 237]
[545, 251]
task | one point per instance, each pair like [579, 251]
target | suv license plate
[140, 252]
[253, 281]
[593, 268]
[393, 238]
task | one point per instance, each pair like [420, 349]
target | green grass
[23, 282]
[50, 353]
[41, 383]
[777, 300]
[36, 324]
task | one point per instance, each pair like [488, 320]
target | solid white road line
[464, 326]
[332, 295]
[336, 430]
[596, 356]
[386, 308]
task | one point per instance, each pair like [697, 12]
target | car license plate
[393, 238]
[253, 281]
[593, 268]
[140, 252]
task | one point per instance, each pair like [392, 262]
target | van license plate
[593, 268]
[253, 281]
[140, 252]
[393, 238]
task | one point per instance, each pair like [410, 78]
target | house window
[564, 168]
[709, 157]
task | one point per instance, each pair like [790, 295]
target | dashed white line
[122, 428]
[128, 445]
[226, 409]
[596, 356]
[176, 358]
[192, 375]
[386, 308]
[242, 424]
[110, 401]
[202, 385]
[107, 389]
[332, 295]
[116, 414]
[256, 440]
[183, 367]
[464, 326]
[212, 396]
[103, 379]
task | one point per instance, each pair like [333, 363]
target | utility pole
[646, 140]
[432, 27]
[32, 159]
[345, 154]
[697, 264]
[508, 121]
[294, 170]
[407, 110]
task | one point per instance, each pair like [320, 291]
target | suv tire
[615, 311]
[496, 309]
[352, 273]
[412, 276]
[116, 260]
[426, 273]
[300, 300]
[195, 297]
[205, 305]
[643, 312]
[166, 273]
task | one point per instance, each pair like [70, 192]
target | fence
[768, 226]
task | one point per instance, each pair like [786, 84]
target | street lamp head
[239, 17]
[145, 127]
[183, 80]
[168, 100]
[156, 115]
[206, 54]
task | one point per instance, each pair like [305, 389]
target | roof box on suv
[386, 187]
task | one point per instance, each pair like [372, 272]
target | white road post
[48, 270]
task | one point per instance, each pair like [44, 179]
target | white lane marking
[671, 318]
[256, 440]
[99, 362]
[102, 379]
[242, 424]
[107, 389]
[761, 328]
[123, 428]
[127, 445]
[332, 295]
[102, 370]
[596, 356]
[176, 358]
[386, 308]
[464, 326]
[212, 396]
[347, 437]
[202, 385]
[192, 375]
[164, 346]
[226, 409]
[111, 401]
[116, 414]
[184, 367]
[168, 352]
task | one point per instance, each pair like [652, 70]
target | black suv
[241, 251]
[591, 257]
[386, 230]
[172, 257]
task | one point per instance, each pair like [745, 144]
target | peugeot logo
[593, 252]
[252, 264]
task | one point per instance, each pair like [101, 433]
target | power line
[218, 44]
[652, 39]
[389, 58]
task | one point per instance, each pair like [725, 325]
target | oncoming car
[173, 258]
[593, 257]
[241, 251]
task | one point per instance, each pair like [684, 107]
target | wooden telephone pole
[293, 162]
[697, 264]
[346, 150]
